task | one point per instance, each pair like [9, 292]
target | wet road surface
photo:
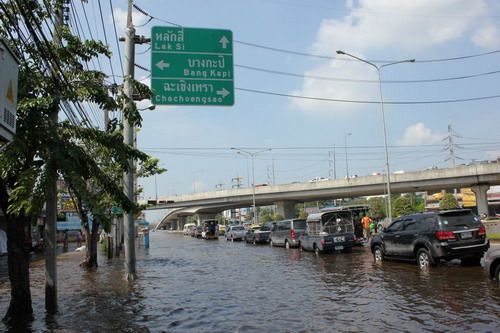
[193, 285]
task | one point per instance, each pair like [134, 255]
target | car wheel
[378, 253]
[424, 258]
[287, 245]
[316, 250]
[497, 274]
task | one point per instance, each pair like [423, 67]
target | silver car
[287, 233]
[492, 263]
[235, 232]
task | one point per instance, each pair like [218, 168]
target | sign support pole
[128, 138]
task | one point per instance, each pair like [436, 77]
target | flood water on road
[192, 285]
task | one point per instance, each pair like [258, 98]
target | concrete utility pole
[51, 203]
[332, 172]
[128, 138]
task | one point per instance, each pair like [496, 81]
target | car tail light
[482, 231]
[445, 235]
[292, 233]
[322, 242]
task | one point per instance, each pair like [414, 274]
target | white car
[235, 232]
[318, 179]
[187, 228]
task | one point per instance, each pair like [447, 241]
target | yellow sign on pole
[8, 92]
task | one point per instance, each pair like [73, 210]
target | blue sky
[193, 143]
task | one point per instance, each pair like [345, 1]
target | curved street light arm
[358, 58]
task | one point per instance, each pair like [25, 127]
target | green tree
[51, 73]
[377, 208]
[303, 214]
[267, 215]
[448, 202]
[220, 219]
[402, 206]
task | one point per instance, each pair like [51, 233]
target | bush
[448, 202]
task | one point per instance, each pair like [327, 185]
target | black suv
[432, 236]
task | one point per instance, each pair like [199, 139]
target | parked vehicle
[259, 235]
[287, 233]
[235, 232]
[197, 231]
[492, 264]
[210, 229]
[433, 236]
[329, 231]
[192, 231]
[187, 228]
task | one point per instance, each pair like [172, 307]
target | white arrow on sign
[162, 65]
[224, 41]
[223, 92]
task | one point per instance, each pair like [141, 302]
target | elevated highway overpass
[207, 204]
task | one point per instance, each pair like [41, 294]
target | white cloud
[371, 26]
[419, 134]
[411, 25]
[488, 36]
[319, 88]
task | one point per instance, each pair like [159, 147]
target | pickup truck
[329, 231]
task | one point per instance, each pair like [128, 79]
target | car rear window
[456, 219]
[299, 224]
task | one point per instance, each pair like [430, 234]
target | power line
[106, 39]
[323, 147]
[116, 36]
[90, 32]
[361, 80]
[281, 50]
[305, 54]
[369, 102]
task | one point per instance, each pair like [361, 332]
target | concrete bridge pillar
[481, 198]
[285, 209]
[181, 220]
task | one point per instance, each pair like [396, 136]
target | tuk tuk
[210, 229]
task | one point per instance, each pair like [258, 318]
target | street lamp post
[378, 68]
[346, 161]
[252, 155]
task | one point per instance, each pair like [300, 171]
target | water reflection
[191, 285]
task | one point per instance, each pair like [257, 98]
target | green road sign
[192, 66]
